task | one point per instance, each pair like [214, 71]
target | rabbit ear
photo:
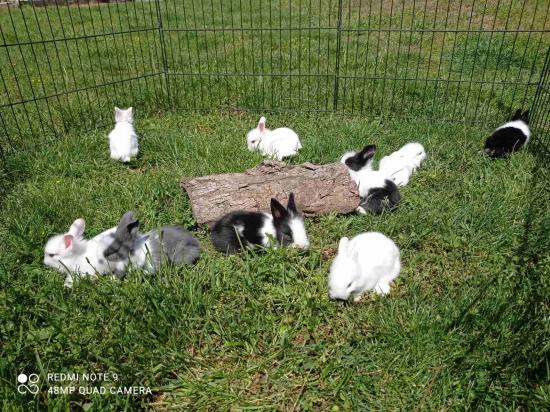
[128, 224]
[77, 228]
[525, 116]
[517, 115]
[261, 124]
[278, 211]
[119, 114]
[368, 151]
[343, 245]
[68, 241]
[291, 205]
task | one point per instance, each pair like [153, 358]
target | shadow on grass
[510, 340]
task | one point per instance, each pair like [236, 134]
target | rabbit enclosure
[466, 325]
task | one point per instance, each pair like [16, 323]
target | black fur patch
[360, 159]
[282, 218]
[225, 236]
[382, 198]
[282, 228]
[504, 141]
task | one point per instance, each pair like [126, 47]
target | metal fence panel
[64, 66]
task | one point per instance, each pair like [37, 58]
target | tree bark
[318, 190]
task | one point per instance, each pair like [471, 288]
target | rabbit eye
[349, 286]
[51, 255]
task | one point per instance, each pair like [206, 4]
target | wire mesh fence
[540, 119]
[64, 65]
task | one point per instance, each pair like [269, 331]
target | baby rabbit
[278, 143]
[123, 139]
[240, 228]
[401, 164]
[369, 261]
[510, 136]
[377, 192]
[146, 250]
[70, 253]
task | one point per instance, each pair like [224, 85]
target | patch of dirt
[329, 252]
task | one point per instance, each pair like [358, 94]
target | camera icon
[28, 384]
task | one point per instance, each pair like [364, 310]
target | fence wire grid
[65, 65]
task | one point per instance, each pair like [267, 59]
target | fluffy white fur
[299, 234]
[279, 143]
[70, 253]
[402, 164]
[369, 261]
[123, 139]
[268, 232]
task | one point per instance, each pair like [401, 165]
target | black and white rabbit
[509, 137]
[376, 190]
[241, 228]
[146, 250]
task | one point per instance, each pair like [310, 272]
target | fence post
[337, 68]
[163, 52]
[4, 130]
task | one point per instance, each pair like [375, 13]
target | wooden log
[318, 189]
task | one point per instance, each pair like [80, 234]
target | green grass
[465, 327]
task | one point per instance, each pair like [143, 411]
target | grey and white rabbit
[242, 228]
[147, 250]
[70, 253]
[376, 190]
[123, 140]
[369, 261]
[509, 137]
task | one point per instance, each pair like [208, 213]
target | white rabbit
[123, 139]
[377, 192]
[70, 253]
[401, 164]
[369, 261]
[278, 143]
